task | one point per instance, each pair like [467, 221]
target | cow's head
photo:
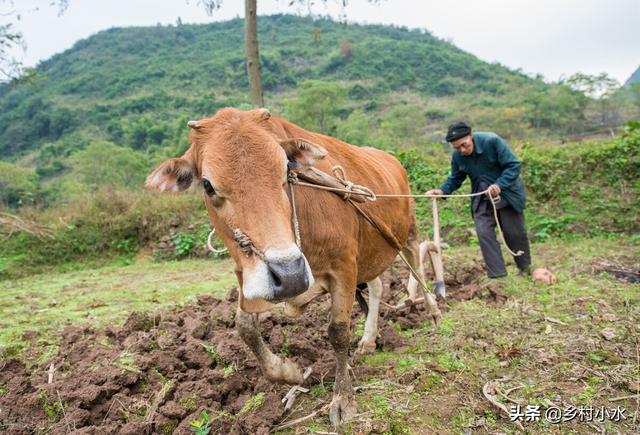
[242, 168]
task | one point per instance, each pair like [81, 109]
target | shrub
[98, 227]
[17, 185]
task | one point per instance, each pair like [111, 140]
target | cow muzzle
[284, 274]
[288, 277]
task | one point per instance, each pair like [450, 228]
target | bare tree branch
[10, 39]
[210, 6]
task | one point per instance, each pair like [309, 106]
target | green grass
[571, 361]
[252, 403]
[126, 362]
[35, 308]
[53, 408]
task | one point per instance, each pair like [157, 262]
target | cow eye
[208, 188]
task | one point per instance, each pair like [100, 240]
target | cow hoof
[342, 409]
[284, 372]
[366, 348]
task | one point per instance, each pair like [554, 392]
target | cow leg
[274, 368]
[413, 253]
[343, 405]
[367, 343]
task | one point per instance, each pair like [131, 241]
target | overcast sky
[549, 37]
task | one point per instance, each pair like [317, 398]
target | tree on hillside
[356, 129]
[601, 88]
[17, 184]
[317, 105]
[104, 163]
[251, 40]
[8, 39]
[559, 108]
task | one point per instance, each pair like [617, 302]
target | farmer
[490, 164]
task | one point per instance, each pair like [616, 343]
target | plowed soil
[157, 372]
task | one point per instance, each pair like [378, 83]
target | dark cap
[457, 130]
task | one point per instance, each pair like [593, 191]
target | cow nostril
[288, 277]
[277, 282]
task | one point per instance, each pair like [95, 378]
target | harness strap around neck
[292, 179]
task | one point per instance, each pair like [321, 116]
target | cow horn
[265, 114]
[192, 124]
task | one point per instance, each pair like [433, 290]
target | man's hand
[494, 190]
[434, 192]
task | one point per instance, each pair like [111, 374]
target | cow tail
[361, 300]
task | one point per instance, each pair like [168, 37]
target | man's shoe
[525, 271]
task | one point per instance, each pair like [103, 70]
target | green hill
[136, 86]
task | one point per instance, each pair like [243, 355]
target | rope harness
[356, 189]
[348, 190]
[245, 243]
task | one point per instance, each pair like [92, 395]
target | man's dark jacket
[491, 162]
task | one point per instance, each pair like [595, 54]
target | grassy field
[573, 343]
[547, 343]
[34, 308]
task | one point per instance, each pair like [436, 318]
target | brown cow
[242, 160]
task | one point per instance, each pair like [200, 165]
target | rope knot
[246, 245]
[350, 187]
[292, 177]
[243, 241]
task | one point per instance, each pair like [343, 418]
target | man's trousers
[515, 235]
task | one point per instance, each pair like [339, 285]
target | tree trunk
[253, 57]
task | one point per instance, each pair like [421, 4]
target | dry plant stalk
[491, 390]
[10, 224]
[157, 400]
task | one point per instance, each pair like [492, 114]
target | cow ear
[302, 151]
[173, 175]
